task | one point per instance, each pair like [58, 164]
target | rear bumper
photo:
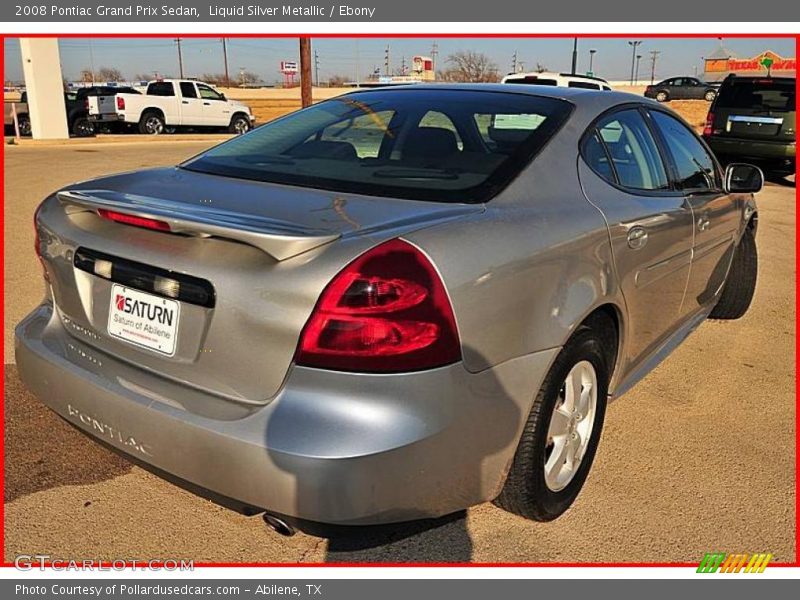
[335, 448]
[751, 149]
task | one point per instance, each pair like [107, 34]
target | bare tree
[108, 74]
[469, 66]
[143, 77]
[87, 76]
[337, 81]
[540, 68]
[214, 78]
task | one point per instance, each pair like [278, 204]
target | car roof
[596, 99]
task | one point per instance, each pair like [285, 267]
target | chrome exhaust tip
[279, 525]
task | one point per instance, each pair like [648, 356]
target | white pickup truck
[171, 103]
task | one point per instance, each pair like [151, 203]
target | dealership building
[722, 63]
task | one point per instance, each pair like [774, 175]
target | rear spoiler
[279, 239]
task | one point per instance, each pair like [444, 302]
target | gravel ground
[698, 457]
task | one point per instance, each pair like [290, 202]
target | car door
[694, 89]
[216, 111]
[716, 214]
[191, 105]
[624, 174]
[677, 89]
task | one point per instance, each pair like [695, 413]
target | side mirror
[741, 178]
[222, 97]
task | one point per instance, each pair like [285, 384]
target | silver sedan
[392, 305]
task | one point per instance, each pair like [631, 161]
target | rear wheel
[662, 96]
[152, 123]
[82, 127]
[24, 123]
[741, 282]
[560, 438]
[710, 95]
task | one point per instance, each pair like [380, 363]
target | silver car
[392, 305]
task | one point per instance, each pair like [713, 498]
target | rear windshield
[759, 94]
[440, 145]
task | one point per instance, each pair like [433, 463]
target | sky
[356, 58]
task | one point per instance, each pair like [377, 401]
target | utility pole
[316, 68]
[653, 58]
[180, 56]
[225, 59]
[575, 56]
[638, 58]
[591, 60]
[434, 55]
[633, 44]
[386, 71]
[514, 62]
[403, 66]
[305, 71]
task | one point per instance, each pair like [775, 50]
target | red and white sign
[289, 67]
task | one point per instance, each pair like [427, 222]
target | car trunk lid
[262, 253]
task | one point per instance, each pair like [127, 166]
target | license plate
[145, 320]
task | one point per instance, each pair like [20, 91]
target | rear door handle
[206, 103]
[637, 237]
[184, 101]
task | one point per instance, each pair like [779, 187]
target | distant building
[723, 62]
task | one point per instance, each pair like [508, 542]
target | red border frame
[796, 37]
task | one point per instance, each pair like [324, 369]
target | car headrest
[430, 141]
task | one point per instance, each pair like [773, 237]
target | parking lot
[698, 457]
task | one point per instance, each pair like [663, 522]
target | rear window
[439, 145]
[584, 85]
[161, 88]
[759, 94]
[530, 80]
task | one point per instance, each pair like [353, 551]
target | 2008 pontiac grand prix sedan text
[392, 305]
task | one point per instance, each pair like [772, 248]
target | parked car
[172, 103]
[75, 104]
[681, 88]
[557, 79]
[755, 119]
[385, 307]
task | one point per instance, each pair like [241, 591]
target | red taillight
[708, 129]
[145, 222]
[120, 103]
[387, 311]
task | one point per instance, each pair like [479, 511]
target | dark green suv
[754, 119]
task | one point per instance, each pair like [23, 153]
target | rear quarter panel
[525, 273]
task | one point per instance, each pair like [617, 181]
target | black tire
[82, 127]
[152, 123]
[741, 282]
[710, 95]
[662, 96]
[24, 123]
[240, 124]
[526, 492]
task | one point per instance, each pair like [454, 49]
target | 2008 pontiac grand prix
[392, 305]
